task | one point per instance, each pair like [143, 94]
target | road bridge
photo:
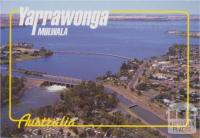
[61, 80]
[47, 78]
[92, 53]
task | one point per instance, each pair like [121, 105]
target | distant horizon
[131, 14]
[192, 6]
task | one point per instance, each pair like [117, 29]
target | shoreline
[28, 83]
[15, 98]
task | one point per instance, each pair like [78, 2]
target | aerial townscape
[138, 70]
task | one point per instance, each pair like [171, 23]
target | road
[135, 77]
[145, 115]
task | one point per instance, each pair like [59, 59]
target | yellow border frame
[186, 13]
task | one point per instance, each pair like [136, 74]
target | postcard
[100, 68]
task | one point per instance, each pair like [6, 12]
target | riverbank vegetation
[84, 101]
[17, 88]
[89, 103]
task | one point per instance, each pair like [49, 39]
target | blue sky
[193, 6]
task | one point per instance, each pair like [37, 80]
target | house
[123, 78]
[159, 76]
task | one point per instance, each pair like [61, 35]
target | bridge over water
[53, 79]
[47, 78]
[61, 80]
[92, 53]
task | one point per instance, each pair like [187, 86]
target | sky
[193, 6]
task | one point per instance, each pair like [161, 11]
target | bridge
[55, 80]
[61, 80]
[48, 79]
[92, 53]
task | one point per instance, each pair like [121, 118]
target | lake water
[138, 39]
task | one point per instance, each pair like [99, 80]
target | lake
[136, 39]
